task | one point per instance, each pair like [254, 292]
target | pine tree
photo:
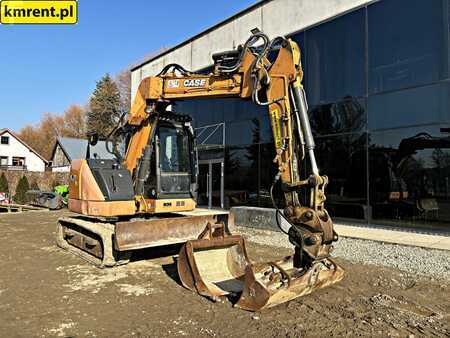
[22, 187]
[105, 108]
[4, 187]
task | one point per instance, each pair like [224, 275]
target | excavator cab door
[174, 162]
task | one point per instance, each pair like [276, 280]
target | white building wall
[276, 17]
[15, 148]
[65, 169]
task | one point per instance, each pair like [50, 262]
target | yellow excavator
[147, 197]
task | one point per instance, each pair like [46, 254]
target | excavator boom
[215, 266]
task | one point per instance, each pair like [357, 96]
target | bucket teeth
[220, 266]
[284, 282]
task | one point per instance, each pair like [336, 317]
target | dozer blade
[110, 243]
[219, 266]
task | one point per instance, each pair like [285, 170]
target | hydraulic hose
[277, 210]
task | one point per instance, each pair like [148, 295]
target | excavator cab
[122, 210]
[173, 163]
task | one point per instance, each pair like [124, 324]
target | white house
[15, 154]
[67, 149]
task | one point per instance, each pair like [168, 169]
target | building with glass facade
[378, 85]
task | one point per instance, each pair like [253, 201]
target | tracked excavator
[147, 198]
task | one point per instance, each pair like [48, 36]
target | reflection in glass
[407, 43]
[409, 175]
[335, 59]
[210, 136]
[212, 111]
[429, 104]
[209, 184]
[241, 175]
[343, 159]
[347, 116]
[268, 170]
[202, 188]
[203, 112]
[243, 132]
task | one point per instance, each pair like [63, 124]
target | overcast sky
[46, 68]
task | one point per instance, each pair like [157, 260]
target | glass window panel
[4, 140]
[335, 59]
[3, 160]
[241, 175]
[203, 112]
[343, 159]
[238, 109]
[210, 154]
[268, 170]
[410, 107]
[212, 111]
[243, 132]
[18, 161]
[210, 136]
[407, 43]
[410, 176]
[347, 116]
[173, 150]
[266, 135]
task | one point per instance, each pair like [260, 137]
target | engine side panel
[82, 184]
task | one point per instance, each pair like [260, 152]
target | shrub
[4, 186]
[22, 187]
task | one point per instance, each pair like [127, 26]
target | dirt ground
[48, 292]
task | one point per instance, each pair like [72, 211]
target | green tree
[4, 186]
[22, 187]
[105, 107]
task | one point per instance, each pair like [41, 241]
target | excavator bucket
[271, 284]
[213, 265]
[216, 266]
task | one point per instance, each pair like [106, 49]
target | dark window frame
[21, 159]
[2, 141]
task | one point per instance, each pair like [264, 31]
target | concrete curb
[264, 218]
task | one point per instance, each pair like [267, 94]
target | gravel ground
[48, 292]
[428, 262]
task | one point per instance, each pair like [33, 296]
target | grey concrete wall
[276, 17]
[261, 218]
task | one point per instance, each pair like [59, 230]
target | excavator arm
[271, 75]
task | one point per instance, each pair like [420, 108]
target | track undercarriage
[107, 242]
